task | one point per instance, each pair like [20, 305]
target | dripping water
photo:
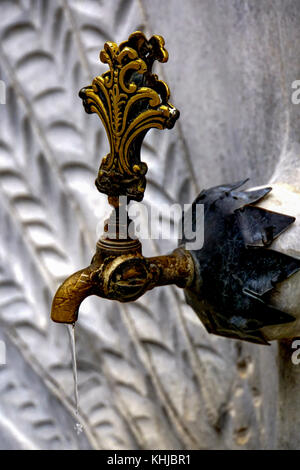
[71, 330]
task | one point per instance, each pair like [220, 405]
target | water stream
[71, 330]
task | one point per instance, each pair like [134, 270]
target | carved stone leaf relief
[149, 375]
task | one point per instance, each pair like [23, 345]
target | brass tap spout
[120, 273]
[70, 295]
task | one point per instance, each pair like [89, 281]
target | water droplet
[78, 428]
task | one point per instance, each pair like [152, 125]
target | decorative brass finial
[130, 100]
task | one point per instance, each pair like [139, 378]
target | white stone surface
[149, 374]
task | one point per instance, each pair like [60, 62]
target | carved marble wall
[150, 376]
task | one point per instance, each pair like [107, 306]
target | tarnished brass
[229, 280]
[129, 100]
[123, 277]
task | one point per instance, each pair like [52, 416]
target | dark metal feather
[261, 227]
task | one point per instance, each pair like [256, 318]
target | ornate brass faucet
[230, 281]
[130, 100]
